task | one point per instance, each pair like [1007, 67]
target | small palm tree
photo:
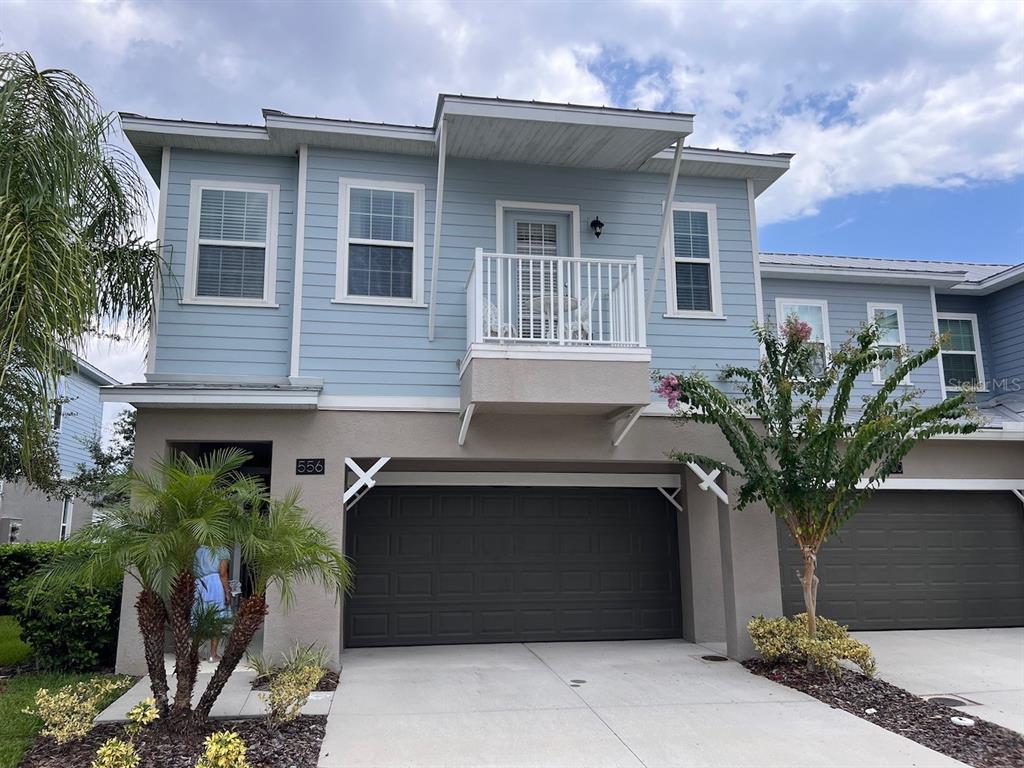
[184, 505]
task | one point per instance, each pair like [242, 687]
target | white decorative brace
[630, 422]
[708, 481]
[1019, 494]
[671, 497]
[364, 480]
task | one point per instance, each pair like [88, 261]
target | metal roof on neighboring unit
[93, 373]
[1003, 409]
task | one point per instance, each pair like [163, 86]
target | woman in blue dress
[212, 587]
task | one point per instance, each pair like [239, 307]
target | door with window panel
[542, 237]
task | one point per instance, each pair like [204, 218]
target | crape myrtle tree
[802, 445]
[183, 505]
[72, 254]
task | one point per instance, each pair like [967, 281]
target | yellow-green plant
[142, 714]
[782, 639]
[223, 749]
[289, 692]
[67, 714]
[116, 753]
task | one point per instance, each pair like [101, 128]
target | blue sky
[907, 118]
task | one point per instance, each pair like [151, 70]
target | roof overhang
[210, 396]
[503, 130]
[991, 284]
[93, 373]
[937, 279]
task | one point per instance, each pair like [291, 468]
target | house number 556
[309, 466]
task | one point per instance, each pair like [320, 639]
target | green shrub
[75, 630]
[116, 753]
[18, 561]
[224, 749]
[68, 713]
[289, 692]
[782, 639]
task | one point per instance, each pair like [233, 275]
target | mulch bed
[983, 745]
[295, 745]
[328, 682]
[21, 668]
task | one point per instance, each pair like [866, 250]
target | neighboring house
[26, 514]
[444, 336]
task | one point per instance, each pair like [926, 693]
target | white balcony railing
[513, 299]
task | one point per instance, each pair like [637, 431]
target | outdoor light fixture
[598, 226]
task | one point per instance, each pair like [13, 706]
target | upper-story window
[692, 281]
[380, 243]
[890, 322]
[66, 512]
[815, 314]
[961, 351]
[232, 244]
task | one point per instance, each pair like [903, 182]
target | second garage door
[920, 559]
[463, 565]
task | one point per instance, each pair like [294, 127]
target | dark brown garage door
[920, 559]
[469, 565]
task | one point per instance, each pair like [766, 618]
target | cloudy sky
[907, 119]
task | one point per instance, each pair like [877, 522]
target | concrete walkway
[561, 705]
[981, 665]
[238, 699]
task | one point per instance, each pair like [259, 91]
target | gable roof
[94, 374]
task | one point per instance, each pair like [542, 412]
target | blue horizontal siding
[372, 350]
[81, 423]
[848, 311]
[234, 341]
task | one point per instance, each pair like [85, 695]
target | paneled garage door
[920, 559]
[465, 565]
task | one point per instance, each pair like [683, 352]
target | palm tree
[181, 506]
[71, 257]
[816, 455]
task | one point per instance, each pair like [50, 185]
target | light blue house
[25, 513]
[444, 334]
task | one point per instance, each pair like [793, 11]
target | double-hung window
[961, 351]
[380, 242]
[67, 510]
[815, 314]
[889, 318]
[232, 245]
[692, 262]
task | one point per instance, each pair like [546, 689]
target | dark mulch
[21, 668]
[296, 745]
[983, 745]
[328, 682]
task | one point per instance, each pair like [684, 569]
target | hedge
[19, 560]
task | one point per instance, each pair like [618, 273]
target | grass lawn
[12, 650]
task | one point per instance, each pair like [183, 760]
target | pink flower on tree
[669, 388]
[795, 329]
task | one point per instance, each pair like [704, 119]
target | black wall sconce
[597, 226]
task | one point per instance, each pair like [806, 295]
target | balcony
[555, 334]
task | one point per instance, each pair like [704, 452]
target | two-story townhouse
[26, 514]
[444, 336]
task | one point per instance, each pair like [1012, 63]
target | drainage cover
[947, 701]
[714, 657]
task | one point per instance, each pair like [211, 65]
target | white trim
[666, 216]
[467, 417]
[435, 260]
[876, 376]
[944, 484]
[992, 283]
[634, 416]
[487, 351]
[295, 348]
[935, 327]
[671, 498]
[389, 403]
[518, 205]
[707, 481]
[715, 313]
[67, 512]
[780, 318]
[161, 227]
[227, 397]
[273, 192]
[755, 249]
[345, 186]
[811, 272]
[538, 479]
[364, 479]
[973, 318]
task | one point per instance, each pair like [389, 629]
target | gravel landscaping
[982, 745]
[296, 745]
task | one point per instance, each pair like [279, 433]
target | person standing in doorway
[213, 590]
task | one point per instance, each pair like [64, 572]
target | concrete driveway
[561, 705]
[981, 665]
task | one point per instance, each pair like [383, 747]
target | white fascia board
[805, 272]
[993, 283]
[323, 125]
[945, 484]
[389, 403]
[725, 157]
[138, 124]
[222, 398]
[534, 479]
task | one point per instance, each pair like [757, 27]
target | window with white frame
[889, 318]
[380, 243]
[815, 314]
[232, 244]
[65, 519]
[961, 351]
[692, 272]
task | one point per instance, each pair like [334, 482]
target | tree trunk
[152, 619]
[251, 611]
[186, 656]
[809, 581]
